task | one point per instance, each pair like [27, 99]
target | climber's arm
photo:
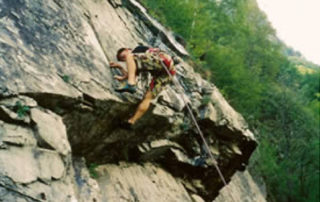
[122, 70]
[131, 65]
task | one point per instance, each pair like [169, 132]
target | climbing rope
[178, 85]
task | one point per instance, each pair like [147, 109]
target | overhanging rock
[55, 81]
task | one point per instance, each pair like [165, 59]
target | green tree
[233, 45]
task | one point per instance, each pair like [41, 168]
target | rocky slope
[58, 107]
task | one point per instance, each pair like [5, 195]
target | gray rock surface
[31, 169]
[55, 137]
[147, 182]
[87, 188]
[241, 188]
[57, 96]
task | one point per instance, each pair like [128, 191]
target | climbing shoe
[127, 88]
[199, 161]
[125, 125]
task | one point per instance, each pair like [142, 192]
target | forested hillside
[233, 45]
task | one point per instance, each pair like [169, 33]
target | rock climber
[139, 60]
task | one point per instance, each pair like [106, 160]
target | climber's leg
[131, 65]
[156, 86]
[142, 108]
[130, 84]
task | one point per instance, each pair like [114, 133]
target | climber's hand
[120, 78]
[114, 65]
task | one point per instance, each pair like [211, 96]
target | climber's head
[122, 53]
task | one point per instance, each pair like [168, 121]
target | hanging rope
[178, 85]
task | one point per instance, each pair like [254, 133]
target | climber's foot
[127, 88]
[126, 125]
[199, 162]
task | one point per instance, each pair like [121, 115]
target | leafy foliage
[235, 47]
[66, 78]
[92, 170]
[21, 109]
[205, 100]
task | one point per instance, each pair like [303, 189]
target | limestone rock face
[58, 106]
[241, 188]
[33, 167]
[132, 182]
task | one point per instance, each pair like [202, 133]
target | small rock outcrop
[241, 188]
[59, 112]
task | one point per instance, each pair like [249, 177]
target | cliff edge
[59, 112]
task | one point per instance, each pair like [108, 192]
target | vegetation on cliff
[234, 46]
